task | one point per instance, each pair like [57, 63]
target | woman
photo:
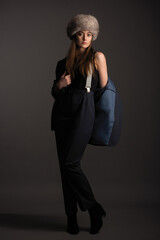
[73, 117]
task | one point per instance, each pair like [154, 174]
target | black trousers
[73, 130]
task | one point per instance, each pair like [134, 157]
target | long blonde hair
[73, 62]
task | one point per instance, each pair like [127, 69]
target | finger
[68, 75]
[63, 74]
[68, 81]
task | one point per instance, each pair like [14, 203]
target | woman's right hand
[64, 80]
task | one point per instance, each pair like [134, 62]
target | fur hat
[82, 22]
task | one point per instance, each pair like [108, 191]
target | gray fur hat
[82, 22]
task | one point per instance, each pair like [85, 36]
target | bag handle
[89, 79]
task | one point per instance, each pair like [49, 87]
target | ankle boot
[72, 225]
[96, 213]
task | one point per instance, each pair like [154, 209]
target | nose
[84, 37]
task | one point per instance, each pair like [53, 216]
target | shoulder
[60, 68]
[100, 59]
[62, 61]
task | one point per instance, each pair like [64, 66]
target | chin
[85, 46]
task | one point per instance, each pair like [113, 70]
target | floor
[41, 221]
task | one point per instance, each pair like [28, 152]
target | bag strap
[89, 79]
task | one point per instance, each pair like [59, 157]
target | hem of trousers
[82, 209]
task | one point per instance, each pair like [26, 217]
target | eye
[79, 33]
[89, 34]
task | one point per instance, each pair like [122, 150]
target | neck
[81, 51]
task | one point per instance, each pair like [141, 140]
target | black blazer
[60, 68]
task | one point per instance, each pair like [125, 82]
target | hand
[64, 80]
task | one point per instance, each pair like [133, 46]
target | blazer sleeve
[58, 72]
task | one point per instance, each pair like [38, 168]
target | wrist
[59, 85]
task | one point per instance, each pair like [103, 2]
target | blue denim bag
[108, 116]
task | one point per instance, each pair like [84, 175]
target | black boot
[96, 213]
[72, 225]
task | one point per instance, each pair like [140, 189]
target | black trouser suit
[74, 115]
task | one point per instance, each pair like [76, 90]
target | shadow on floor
[53, 223]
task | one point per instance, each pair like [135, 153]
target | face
[83, 39]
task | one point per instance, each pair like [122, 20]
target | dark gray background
[125, 178]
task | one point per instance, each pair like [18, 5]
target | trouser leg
[76, 188]
[79, 185]
[71, 147]
[70, 201]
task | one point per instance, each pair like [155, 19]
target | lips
[84, 42]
